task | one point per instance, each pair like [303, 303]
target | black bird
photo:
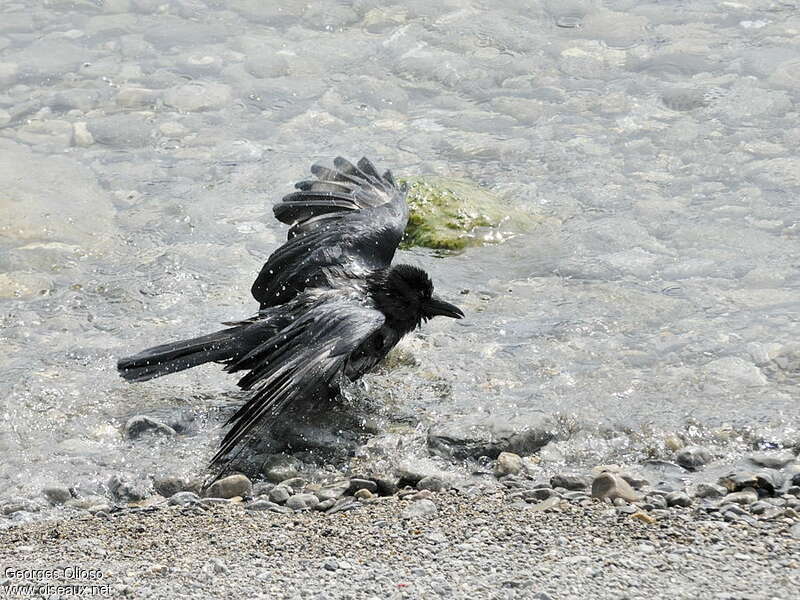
[332, 305]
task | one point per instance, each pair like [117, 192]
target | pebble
[692, 457]
[508, 463]
[325, 504]
[262, 488]
[127, 489]
[302, 501]
[295, 483]
[538, 494]
[230, 486]
[198, 96]
[140, 425]
[433, 483]
[57, 494]
[280, 467]
[772, 461]
[573, 482]
[364, 494]
[387, 486]
[357, 484]
[330, 564]
[184, 498]
[419, 508]
[709, 490]
[335, 490]
[678, 498]
[794, 531]
[136, 97]
[657, 501]
[280, 494]
[169, 485]
[745, 496]
[552, 503]
[81, 135]
[610, 485]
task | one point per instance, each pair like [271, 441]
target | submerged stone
[453, 214]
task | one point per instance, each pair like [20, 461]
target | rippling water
[142, 143]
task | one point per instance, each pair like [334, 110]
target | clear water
[660, 297]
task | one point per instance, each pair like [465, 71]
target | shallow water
[142, 143]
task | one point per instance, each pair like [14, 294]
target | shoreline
[447, 544]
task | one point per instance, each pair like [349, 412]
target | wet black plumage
[332, 305]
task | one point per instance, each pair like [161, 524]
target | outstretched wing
[301, 362]
[346, 223]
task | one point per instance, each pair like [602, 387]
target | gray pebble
[335, 490]
[709, 490]
[140, 425]
[657, 501]
[678, 498]
[772, 461]
[260, 505]
[361, 484]
[330, 564]
[57, 494]
[280, 467]
[420, 508]
[295, 483]
[570, 481]
[230, 487]
[172, 484]
[127, 489]
[610, 485]
[262, 488]
[692, 457]
[280, 494]
[184, 498]
[325, 504]
[302, 501]
[433, 483]
[746, 496]
[794, 531]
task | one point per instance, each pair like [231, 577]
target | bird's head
[406, 294]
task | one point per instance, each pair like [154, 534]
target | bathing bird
[332, 305]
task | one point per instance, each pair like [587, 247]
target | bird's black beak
[436, 307]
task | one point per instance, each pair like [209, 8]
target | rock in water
[140, 424]
[612, 486]
[692, 457]
[57, 494]
[229, 487]
[335, 490]
[129, 490]
[508, 463]
[452, 214]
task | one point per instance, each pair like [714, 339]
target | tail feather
[221, 346]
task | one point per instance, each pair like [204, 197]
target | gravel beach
[459, 546]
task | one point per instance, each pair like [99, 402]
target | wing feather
[301, 362]
[346, 222]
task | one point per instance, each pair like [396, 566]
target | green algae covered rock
[452, 214]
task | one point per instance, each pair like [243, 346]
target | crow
[331, 303]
